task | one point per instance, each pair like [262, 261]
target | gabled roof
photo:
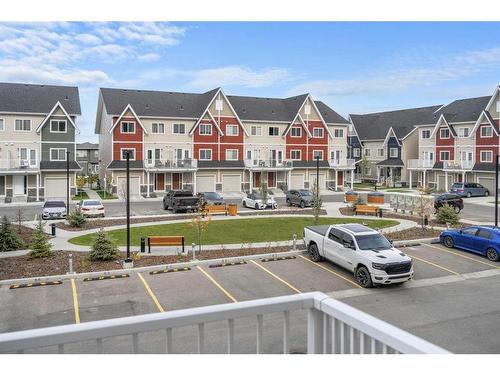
[128, 108]
[374, 126]
[442, 120]
[25, 98]
[51, 113]
[391, 133]
[464, 110]
[87, 146]
[329, 115]
[486, 115]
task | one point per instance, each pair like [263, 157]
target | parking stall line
[217, 284]
[276, 277]
[151, 294]
[75, 301]
[435, 265]
[331, 271]
[464, 256]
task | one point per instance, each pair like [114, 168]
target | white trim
[485, 127]
[273, 126]
[58, 149]
[485, 152]
[234, 112]
[207, 111]
[65, 126]
[205, 149]
[21, 119]
[237, 130]
[441, 133]
[492, 99]
[178, 123]
[232, 175]
[314, 158]
[128, 123]
[441, 153]
[296, 128]
[128, 107]
[440, 121]
[343, 133]
[390, 152]
[50, 114]
[479, 121]
[232, 149]
[127, 148]
[2, 119]
[296, 150]
[425, 130]
[205, 134]
[387, 137]
[61, 142]
[157, 123]
[257, 127]
[320, 116]
[322, 132]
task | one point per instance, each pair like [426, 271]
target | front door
[160, 182]
[19, 183]
[271, 179]
[256, 179]
[340, 178]
[176, 181]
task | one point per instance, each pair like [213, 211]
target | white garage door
[488, 183]
[135, 186]
[322, 180]
[55, 188]
[231, 182]
[296, 181]
[205, 183]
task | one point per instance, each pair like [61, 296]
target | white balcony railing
[18, 164]
[171, 164]
[458, 165]
[269, 163]
[420, 163]
[342, 163]
[330, 327]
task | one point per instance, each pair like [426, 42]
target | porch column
[194, 182]
[423, 179]
[38, 187]
[336, 179]
[446, 180]
[409, 178]
[463, 177]
[147, 182]
[352, 179]
[251, 181]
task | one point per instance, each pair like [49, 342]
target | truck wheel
[363, 277]
[448, 242]
[289, 202]
[256, 206]
[492, 254]
[244, 204]
[457, 209]
[314, 253]
[302, 204]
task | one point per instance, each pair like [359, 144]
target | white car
[361, 250]
[254, 200]
[91, 207]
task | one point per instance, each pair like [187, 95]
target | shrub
[76, 218]
[9, 240]
[358, 200]
[40, 245]
[103, 248]
[446, 214]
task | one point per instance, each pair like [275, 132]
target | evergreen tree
[76, 218]
[40, 245]
[9, 240]
[103, 248]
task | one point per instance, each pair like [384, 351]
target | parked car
[302, 198]
[453, 200]
[54, 209]
[254, 200]
[180, 200]
[91, 207]
[469, 189]
[212, 198]
[483, 240]
[364, 251]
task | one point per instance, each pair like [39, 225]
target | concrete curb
[404, 243]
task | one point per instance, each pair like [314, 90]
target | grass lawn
[105, 195]
[81, 195]
[231, 231]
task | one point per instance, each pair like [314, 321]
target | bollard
[53, 229]
[143, 245]
[294, 242]
[447, 225]
[380, 214]
[192, 249]
[70, 263]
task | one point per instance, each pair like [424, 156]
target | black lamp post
[128, 260]
[67, 183]
[497, 160]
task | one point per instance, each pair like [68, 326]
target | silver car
[54, 209]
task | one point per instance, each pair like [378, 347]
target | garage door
[205, 183]
[488, 183]
[55, 188]
[322, 180]
[297, 181]
[135, 186]
[231, 182]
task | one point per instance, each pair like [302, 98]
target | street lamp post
[497, 160]
[67, 184]
[317, 176]
[128, 260]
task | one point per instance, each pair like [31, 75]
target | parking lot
[438, 270]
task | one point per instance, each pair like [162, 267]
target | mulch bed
[23, 232]
[100, 223]
[413, 234]
[57, 264]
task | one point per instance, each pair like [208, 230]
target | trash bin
[351, 196]
[232, 208]
[376, 197]
[143, 245]
[53, 229]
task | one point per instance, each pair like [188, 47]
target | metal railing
[420, 163]
[7, 164]
[460, 165]
[341, 163]
[331, 327]
[171, 164]
[269, 163]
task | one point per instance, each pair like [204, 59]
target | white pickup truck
[361, 250]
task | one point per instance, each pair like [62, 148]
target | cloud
[88, 38]
[148, 57]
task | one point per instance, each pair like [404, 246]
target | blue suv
[483, 240]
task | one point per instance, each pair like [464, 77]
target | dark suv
[302, 198]
[453, 200]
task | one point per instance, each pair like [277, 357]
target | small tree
[358, 201]
[102, 248]
[364, 163]
[9, 240]
[109, 185]
[40, 245]
[446, 214]
[76, 218]
[20, 219]
[201, 220]
[316, 203]
[80, 183]
[263, 190]
[92, 179]
[425, 206]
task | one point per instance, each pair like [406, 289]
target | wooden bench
[165, 241]
[367, 209]
[217, 209]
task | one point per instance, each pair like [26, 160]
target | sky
[353, 67]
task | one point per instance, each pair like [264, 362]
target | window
[470, 231]
[273, 131]
[232, 130]
[486, 131]
[338, 133]
[368, 171]
[297, 132]
[318, 132]
[57, 154]
[335, 235]
[58, 126]
[317, 153]
[256, 131]
[128, 127]
[295, 154]
[463, 132]
[367, 152]
[205, 154]
[130, 151]
[179, 128]
[23, 125]
[231, 154]
[425, 134]
[444, 133]
[158, 128]
[486, 156]
[205, 129]
[444, 155]
[81, 154]
[381, 152]
[356, 152]
[393, 152]
[484, 233]
[2, 125]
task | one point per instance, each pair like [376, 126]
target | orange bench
[367, 209]
[165, 241]
[217, 209]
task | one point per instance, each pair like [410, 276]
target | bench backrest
[365, 207]
[165, 240]
[216, 208]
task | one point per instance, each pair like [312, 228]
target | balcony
[457, 165]
[174, 165]
[342, 163]
[19, 165]
[270, 164]
[308, 322]
[420, 164]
